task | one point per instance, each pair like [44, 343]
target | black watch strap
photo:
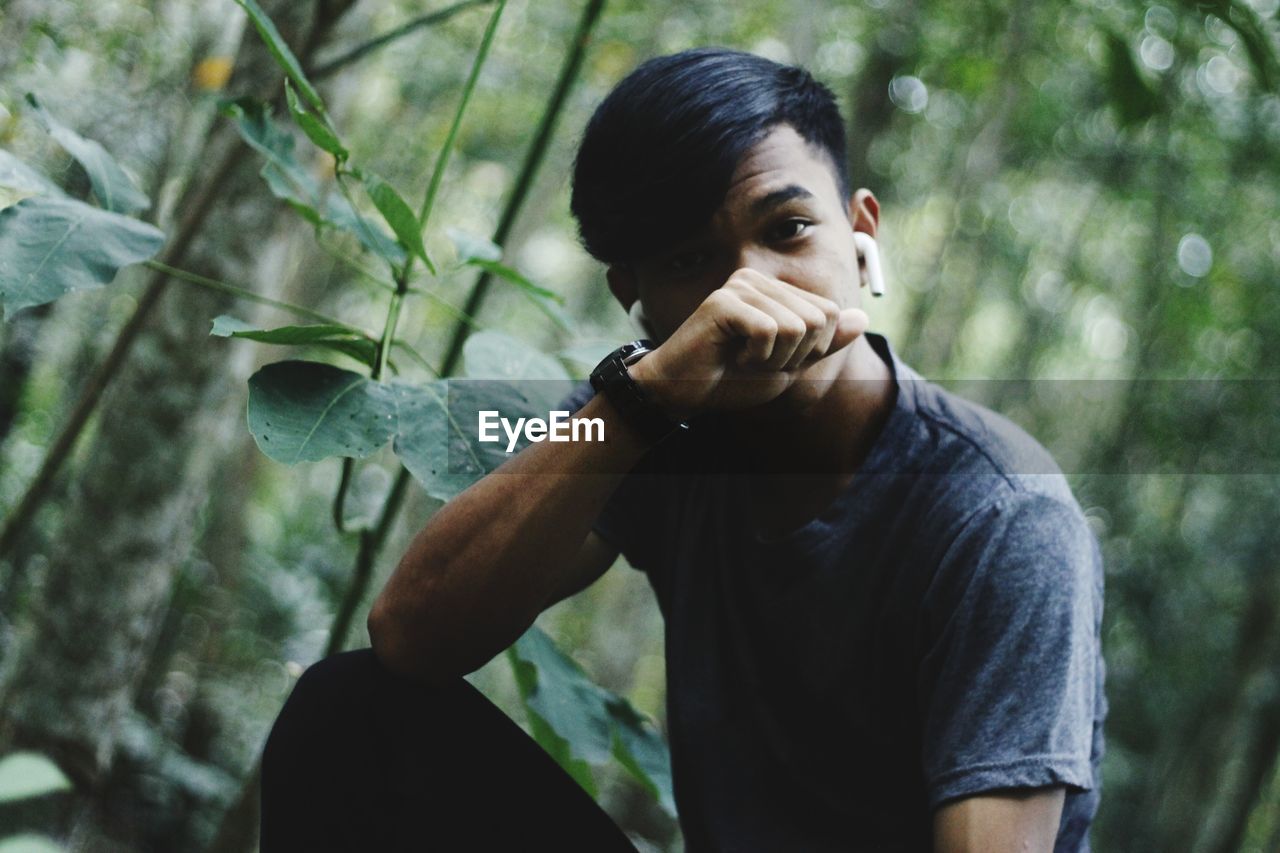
[612, 379]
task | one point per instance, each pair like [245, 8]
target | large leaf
[304, 411]
[17, 175]
[438, 437]
[280, 51]
[29, 774]
[595, 722]
[493, 355]
[526, 676]
[113, 188]
[51, 246]
[327, 335]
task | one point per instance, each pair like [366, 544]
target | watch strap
[612, 379]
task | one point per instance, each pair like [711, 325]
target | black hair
[656, 158]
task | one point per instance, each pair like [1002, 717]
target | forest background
[1080, 230]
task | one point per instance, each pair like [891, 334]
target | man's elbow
[397, 649]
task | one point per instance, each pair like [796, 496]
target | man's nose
[756, 258]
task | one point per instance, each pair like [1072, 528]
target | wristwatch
[612, 379]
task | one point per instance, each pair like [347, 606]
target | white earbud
[872, 276]
[640, 321]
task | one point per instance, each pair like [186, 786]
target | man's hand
[1012, 822]
[744, 345]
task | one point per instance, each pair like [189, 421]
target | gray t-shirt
[933, 634]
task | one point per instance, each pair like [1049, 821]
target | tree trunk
[166, 424]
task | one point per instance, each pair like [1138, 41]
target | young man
[882, 603]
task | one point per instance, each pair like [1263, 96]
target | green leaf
[226, 326]
[566, 699]
[507, 273]
[285, 176]
[341, 214]
[438, 437]
[398, 214]
[17, 175]
[112, 187]
[485, 254]
[315, 129]
[283, 55]
[51, 246]
[341, 339]
[493, 355]
[526, 676]
[595, 722]
[29, 774]
[1134, 99]
[639, 747]
[304, 411]
[289, 181]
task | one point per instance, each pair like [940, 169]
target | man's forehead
[781, 163]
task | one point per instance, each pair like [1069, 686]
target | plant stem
[388, 333]
[377, 42]
[371, 541]
[532, 161]
[249, 295]
[340, 499]
[402, 274]
[442, 159]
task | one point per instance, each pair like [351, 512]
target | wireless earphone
[872, 276]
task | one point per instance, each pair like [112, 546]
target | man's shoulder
[983, 453]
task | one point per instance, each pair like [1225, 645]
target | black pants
[362, 760]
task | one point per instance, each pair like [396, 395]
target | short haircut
[656, 158]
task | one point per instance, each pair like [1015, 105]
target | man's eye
[790, 228]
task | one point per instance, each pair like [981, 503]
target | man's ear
[622, 283]
[864, 211]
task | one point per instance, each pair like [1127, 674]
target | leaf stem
[362, 50]
[356, 267]
[249, 295]
[442, 159]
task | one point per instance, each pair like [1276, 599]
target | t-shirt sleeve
[1007, 684]
[627, 515]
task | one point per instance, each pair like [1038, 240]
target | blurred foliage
[1078, 192]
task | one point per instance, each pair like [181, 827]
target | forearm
[479, 572]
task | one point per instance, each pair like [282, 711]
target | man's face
[783, 216]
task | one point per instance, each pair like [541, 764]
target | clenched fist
[745, 344]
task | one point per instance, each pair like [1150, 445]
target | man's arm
[489, 561]
[1020, 821]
